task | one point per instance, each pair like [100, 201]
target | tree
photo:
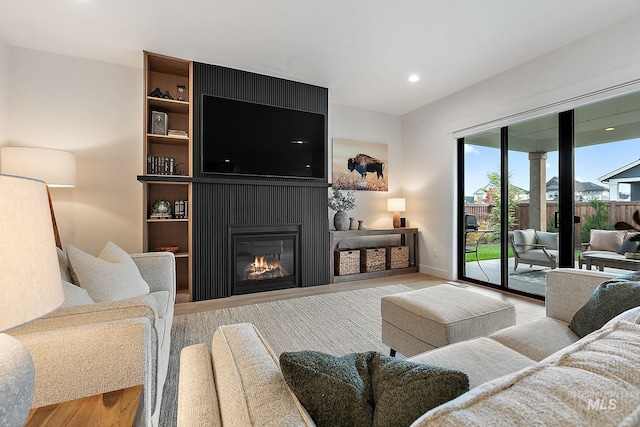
[598, 220]
[493, 193]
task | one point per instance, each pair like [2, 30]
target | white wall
[370, 126]
[4, 93]
[93, 109]
[429, 151]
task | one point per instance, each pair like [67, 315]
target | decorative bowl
[173, 249]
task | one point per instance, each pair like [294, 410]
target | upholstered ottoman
[417, 321]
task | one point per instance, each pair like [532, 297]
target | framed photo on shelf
[158, 123]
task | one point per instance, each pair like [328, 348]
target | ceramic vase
[341, 221]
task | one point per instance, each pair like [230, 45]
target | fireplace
[264, 258]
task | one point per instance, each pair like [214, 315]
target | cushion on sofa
[109, 277]
[523, 239]
[75, 295]
[482, 359]
[606, 240]
[369, 388]
[548, 239]
[63, 262]
[592, 382]
[612, 297]
[252, 389]
[537, 338]
[629, 245]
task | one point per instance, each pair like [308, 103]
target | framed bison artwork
[359, 165]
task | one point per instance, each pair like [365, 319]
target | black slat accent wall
[221, 201]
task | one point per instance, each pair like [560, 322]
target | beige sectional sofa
[93, 348]
[534, 373]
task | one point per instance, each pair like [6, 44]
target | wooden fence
[618, 211]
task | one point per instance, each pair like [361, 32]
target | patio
[525, 279]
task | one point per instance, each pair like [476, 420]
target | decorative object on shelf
[360, 221]
[30, 286]
[181, 92]
[181, 169]
[341, 203]
[158, 123]
[161, 209]
[173, 249]
[396, 205]
[352, 224]
[359, 165]
[167, 95]
[157, 93]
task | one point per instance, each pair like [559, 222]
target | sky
[591, 163]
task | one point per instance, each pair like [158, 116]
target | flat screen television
[246, 138]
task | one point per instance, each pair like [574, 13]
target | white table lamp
[30, 285]
[396, 205]
[55, 167]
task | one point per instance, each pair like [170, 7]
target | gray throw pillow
[610, 298]
[367, 389]
[75, 295]
[629, 245]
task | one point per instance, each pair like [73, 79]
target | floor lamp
[55, 167]
[30, 286]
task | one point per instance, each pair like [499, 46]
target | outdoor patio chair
[534, 247]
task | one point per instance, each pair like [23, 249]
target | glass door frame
[566, 143]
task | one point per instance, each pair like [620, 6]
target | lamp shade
[30, 283]
[396, 204]
[55, 167]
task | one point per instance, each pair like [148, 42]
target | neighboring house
[480, 196]
[629, 174]
[584, 191]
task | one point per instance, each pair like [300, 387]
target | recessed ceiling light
[414, 78]
[609, 129]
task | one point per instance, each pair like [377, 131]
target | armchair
[88, 349]
[534, 248]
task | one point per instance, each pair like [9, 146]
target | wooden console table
[114, 408]
[335, 237]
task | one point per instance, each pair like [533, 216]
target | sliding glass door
[545, 182]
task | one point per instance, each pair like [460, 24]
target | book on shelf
[161, 165]
[180, 133]
[181, 209]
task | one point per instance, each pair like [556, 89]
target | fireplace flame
[260, 269]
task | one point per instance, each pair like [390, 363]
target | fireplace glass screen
[265, 261]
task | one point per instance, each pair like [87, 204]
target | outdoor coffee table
[611, 260]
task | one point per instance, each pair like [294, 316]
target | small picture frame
[158, 123]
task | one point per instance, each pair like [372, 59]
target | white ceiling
[362, 50]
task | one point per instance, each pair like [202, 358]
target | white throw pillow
[75, 295]
[111, 276]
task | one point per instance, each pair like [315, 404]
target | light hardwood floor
[526, 309]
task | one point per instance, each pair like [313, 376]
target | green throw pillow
[610, 298]
[367, 389]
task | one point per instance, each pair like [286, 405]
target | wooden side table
[114, 408]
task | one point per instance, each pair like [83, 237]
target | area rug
[338, 323]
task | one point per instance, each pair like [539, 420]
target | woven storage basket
[347, 261]
[372, 259]
[397, 257]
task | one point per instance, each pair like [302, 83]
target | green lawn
[492, 251]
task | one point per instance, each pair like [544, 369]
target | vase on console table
[341, 221]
